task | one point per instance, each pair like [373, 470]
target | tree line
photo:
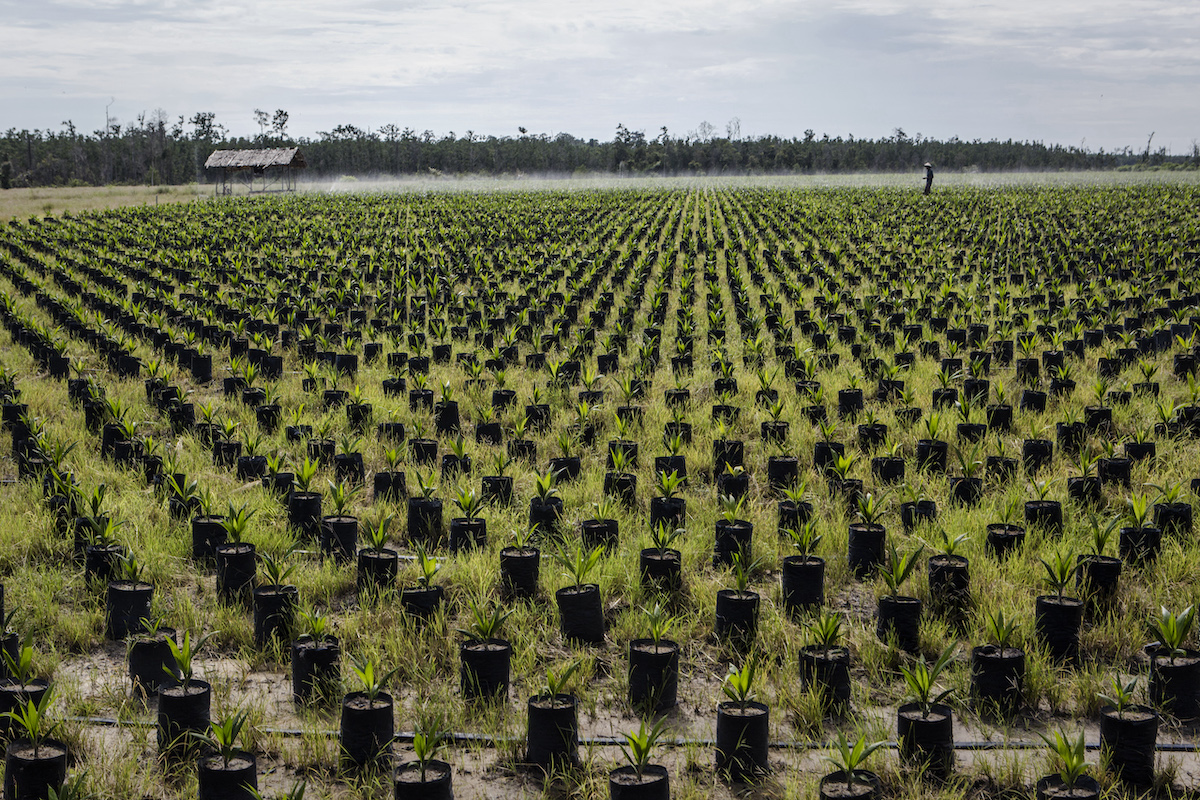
[155, 150]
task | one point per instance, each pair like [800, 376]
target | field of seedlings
[691, 493]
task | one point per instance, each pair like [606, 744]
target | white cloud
[1109, 37]
[1022, 69]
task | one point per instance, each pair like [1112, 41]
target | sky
[1091, 73]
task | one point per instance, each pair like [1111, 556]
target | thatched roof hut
[256, 159]
[275, 166]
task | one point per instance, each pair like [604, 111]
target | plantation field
[913, 376]
[43, 201]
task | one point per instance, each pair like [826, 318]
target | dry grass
[42, 201]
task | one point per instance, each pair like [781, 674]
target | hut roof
[249, 159]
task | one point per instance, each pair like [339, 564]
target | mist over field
[351, 184]
[40, 201]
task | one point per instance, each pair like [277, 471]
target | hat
[929, 165]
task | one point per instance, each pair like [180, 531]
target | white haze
[386, 184]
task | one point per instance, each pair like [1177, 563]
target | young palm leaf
[1071, 756]
[849, 757]
[638, 747]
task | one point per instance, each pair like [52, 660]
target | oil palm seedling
[847, 758]
[925, 725]
[742, 725]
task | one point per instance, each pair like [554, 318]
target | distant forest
[153, 150]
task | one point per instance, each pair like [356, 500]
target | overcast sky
[1102, 73]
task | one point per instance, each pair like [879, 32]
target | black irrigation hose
[614, 741]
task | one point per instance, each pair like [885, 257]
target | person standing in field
[928, 176]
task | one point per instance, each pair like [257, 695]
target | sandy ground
[489, 770]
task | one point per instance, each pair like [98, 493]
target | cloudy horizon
[1098, 74]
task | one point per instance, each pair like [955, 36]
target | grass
[44, 201]
[55, 603]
